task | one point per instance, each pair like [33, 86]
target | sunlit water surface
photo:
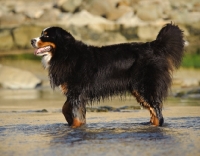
[31, 123]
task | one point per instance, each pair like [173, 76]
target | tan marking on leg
[153, 117]
[77, 123]
[154, 120]
[140, 99]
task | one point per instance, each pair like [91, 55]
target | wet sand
[27, 130]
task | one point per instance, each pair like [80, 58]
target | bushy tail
[170, 43]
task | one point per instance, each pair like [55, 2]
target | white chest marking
[45, 60]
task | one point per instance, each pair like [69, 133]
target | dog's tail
[171, 44]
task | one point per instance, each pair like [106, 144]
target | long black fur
[94, 73]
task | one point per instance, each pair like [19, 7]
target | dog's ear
[64, 36]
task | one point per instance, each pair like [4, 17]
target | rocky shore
[97, 22]
[14, 78]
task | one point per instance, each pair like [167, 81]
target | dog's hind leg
[156, 114]
[74, 113]
[156, 117]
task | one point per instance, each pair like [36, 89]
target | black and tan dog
[87, 73]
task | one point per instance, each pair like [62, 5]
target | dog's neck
[45, 61]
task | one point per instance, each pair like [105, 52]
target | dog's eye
[46, 36]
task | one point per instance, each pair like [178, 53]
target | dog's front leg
[74, 113]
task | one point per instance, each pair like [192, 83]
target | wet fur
[90, 73]
[99, 72]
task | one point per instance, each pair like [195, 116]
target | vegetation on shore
[191, 61]
[18, 57]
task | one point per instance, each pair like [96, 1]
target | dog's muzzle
[33, 41]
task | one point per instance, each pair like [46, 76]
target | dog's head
[52, 41]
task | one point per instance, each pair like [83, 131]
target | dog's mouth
[43, 50]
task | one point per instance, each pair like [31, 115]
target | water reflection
[27, 130]
[44, 135]
[114, 133]
[105, 138]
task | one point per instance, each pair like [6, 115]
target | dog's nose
[33, 41]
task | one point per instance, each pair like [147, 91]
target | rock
[192, 5]
[194, 29]
[69, 5]
[152, 10]
[13, 78]
[191, 93]
[29, 11]
[94, 37]
[10, 20]
[102, 109]
[49, 16]
[144, 14]
[110, 9]
[42, 111]
[97, 7]
[3, 8]
[130, 108]
[130, 20]
[34, 12]
[148, 32]
[6, 40]
[112, 109]
[25, 33]
[85, 18]
[194, 93]
[130, 33]
[111, 38]
[33, 9]
[116, 13]
[196, 6]
[185, 17]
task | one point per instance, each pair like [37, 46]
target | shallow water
[25, 129]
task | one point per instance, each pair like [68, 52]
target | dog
[87, 73]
